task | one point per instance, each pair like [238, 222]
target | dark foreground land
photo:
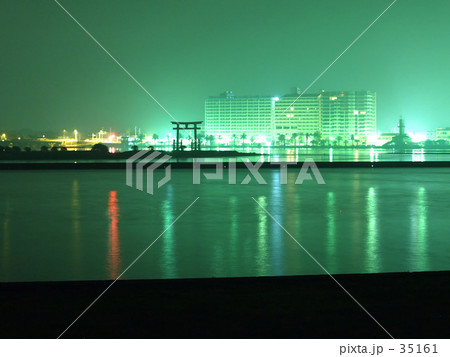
[408, 305]
[106, 156]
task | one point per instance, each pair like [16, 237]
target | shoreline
[76, 165]
[407, 305]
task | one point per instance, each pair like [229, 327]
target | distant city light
[372, 139]
[276, 99]
[417, 137]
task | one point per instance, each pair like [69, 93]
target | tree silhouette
[243, 137]
[317, 138]
[294, 138]
[307, 139]
[100, 148]
[44, 148]
[210, 139]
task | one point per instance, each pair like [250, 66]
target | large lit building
[349, 115]
[296, 118]
[228, 117]
[443, 134]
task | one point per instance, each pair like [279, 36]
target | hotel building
[348, 115]
[227, 116]
[299, 117]
[442, 134]
[343, 116]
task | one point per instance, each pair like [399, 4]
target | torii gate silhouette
[187, 126]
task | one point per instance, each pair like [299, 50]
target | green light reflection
[331, 231]
[262, 263]
[76, 227]
[278, 255]
[234, 237]
[168, 263]
[372, 261]
[418, 248]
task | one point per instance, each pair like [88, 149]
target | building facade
[296, 118]
[443, 134]
[228, 116]
[347, 116]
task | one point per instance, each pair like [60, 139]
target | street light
[76, 135]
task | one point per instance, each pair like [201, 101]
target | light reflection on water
[331, 229]
[76, 233]
[268, 154]
[81, 225]
[168, 259]
[418, 244]
[114, 242]
[262, 250]
[372, 260]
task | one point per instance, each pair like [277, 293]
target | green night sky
[54, 77]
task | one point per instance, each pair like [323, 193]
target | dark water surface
[83, 225]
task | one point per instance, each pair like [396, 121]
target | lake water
[83, 225]
[291, 154]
